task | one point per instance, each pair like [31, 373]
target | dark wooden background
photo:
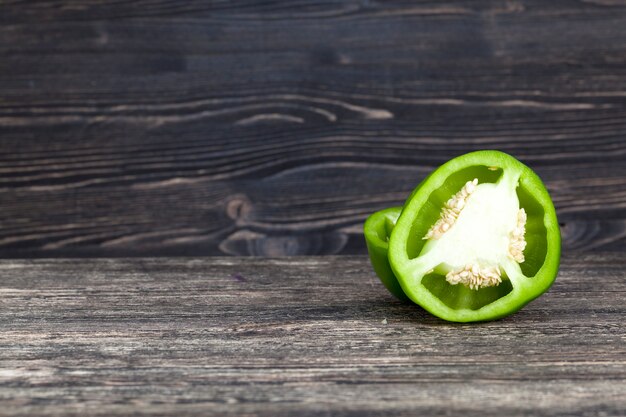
[275, 128]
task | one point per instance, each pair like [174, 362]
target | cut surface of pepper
[472, 242]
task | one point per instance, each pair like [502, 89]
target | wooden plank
[297, 336]
[275, 128]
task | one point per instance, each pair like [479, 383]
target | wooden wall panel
[275, 128]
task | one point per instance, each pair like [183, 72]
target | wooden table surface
[297, 336]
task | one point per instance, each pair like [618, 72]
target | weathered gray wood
[297, 336]
[274, 128]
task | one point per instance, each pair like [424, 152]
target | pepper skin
[377, 230]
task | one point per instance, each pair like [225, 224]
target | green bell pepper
[477, 240]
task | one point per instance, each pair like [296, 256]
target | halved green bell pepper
[477, 240]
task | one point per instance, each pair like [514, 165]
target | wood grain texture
[275, 128]
[298, 336]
